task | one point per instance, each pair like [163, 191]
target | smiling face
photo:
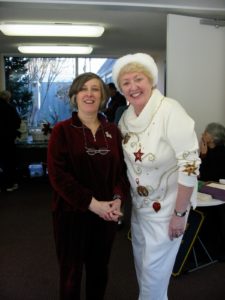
[88, 92]
[89, 97]
[137, 88]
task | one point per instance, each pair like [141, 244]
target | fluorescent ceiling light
[55, 49]
[52, 30]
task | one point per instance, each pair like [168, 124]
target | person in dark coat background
[9, 124]
[116, 100]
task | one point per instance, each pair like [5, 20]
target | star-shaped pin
[190, 169]
[138, 155]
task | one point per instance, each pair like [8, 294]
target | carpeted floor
[28, 266]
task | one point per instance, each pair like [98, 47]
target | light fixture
[213, 22]
[51, 29]
[55, 49]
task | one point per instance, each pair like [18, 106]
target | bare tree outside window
[49, 79]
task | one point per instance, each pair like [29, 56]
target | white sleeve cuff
[187, 180]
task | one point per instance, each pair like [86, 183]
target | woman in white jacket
[161, 153]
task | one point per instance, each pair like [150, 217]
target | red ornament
[138, 155]
[156, 206]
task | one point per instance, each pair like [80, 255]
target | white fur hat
[144, 59]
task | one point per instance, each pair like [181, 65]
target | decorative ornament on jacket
[143, 192]
[138, 155]
[156, 206]
[190, 169]
[126, 138]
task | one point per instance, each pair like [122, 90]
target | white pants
[154, 255]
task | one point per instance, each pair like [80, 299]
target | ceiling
[130, 26]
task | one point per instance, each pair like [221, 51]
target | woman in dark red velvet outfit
[88, 176]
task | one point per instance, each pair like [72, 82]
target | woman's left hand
[176, 227]
[116, 213]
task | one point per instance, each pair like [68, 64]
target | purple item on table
[216, 193]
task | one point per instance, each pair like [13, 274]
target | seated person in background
[212, 153]
[116, 100]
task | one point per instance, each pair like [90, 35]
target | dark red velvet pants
[83, 242]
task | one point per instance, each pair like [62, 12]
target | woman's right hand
[203, 146]
[103, 209]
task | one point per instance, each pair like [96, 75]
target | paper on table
[203, 197]
[217, 185]
[207, 200]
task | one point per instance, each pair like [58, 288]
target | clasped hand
[107, 210]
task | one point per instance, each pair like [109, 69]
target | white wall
[160, 59]
[196, 69]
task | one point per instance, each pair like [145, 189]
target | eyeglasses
[93, 151]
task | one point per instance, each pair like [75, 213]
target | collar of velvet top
[77, 122]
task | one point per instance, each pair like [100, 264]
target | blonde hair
[135, 67]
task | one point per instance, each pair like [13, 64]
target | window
[39, 86]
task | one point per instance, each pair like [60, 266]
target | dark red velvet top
[75, 175]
